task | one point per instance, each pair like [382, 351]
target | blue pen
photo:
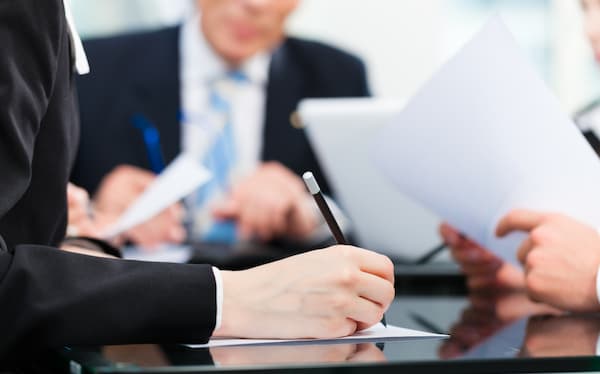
[151, 138]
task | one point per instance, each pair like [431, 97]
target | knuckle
[554, 216]
[539, 234]
[338, 303]
[347, 277]
[339, 326]
[388, 266]
[121, 169]
[535, 286]
[534, 259]
[271, 166]
[377, 316]
[390, 293]
[344, 252]
[280, 207]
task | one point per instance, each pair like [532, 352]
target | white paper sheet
[485, 136]
[177, 254]
[372, 334]
[181, 177]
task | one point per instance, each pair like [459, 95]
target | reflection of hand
[485, 316]
[320, 294]
[296, 354]
[119, 189]
[481, 267]
[271, 203]
[561, 258]
[567, 335]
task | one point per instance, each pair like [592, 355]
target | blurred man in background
[222, 86]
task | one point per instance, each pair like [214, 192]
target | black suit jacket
[139, 73]
[49, 297]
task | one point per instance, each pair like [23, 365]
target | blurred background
[402, 42]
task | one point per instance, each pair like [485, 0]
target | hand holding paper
[485, 136]
[184, 175]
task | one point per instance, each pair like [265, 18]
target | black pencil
[315, 191]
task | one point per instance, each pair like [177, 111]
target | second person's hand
[483, 270]
[118, 190]
[271, 203]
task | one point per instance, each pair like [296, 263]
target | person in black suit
[149, 74]
[51, 297]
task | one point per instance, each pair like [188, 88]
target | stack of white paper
[485, 136]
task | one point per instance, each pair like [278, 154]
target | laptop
[382, 218]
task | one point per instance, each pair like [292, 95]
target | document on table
[183, 176]
[372, 334]
[177, 254]
[485, 136]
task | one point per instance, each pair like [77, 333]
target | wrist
[232, 315]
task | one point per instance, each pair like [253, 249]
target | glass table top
[488, 334]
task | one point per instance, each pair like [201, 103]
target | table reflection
[491, 319]
[154, 356]
[562, 336]
[296, 354]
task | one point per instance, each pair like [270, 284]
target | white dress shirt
[199, 67]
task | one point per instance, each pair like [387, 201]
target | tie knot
[224, 88]
[237, 76]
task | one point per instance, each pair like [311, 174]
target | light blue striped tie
[220, 160]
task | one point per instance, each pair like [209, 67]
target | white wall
[575, 76]
[402, 41]
[397, 39]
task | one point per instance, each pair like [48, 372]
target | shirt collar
[201, 63]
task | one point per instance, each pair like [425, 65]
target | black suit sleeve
[53, 298]
[30, 45]
[49, 297]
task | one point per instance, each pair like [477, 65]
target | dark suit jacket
[49, 297]
[138, 73]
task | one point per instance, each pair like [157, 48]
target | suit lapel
[285, 88]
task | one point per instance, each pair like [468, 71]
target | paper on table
[184, 175]
[178, 254]
[375, 333]
[485, 136]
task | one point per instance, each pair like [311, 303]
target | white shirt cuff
[598, 347]
[219, 287]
